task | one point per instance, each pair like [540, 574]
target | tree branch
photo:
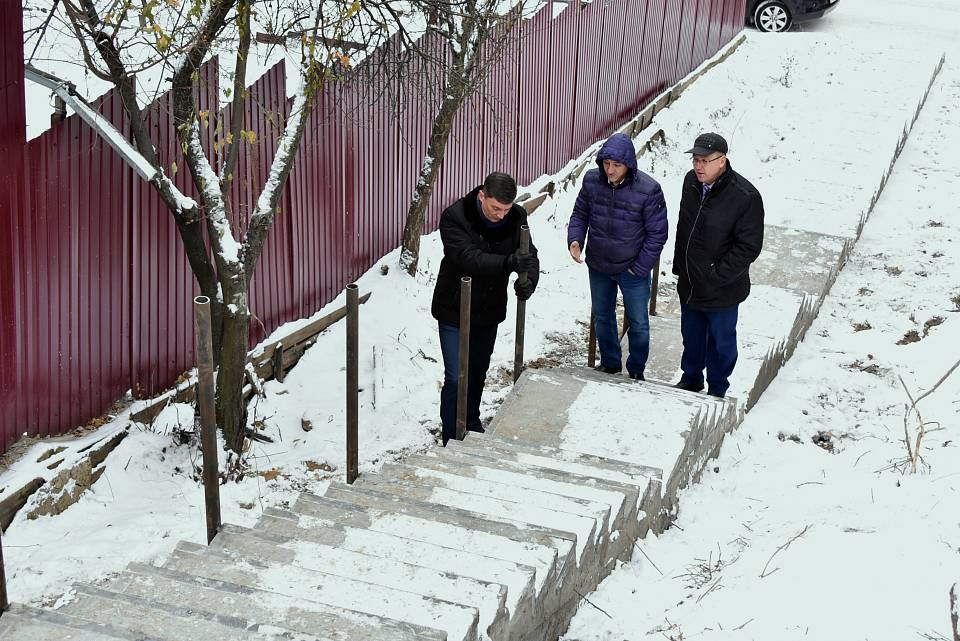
[237, 109]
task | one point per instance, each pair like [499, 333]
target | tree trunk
[231, 408]
[453, 98]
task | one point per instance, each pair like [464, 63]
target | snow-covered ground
[788, 540]
[882, 547]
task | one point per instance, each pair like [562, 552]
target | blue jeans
[636, 298]
[482, 340]
[709, 341]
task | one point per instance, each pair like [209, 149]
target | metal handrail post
[654, 286]
[464, 357]
[522, 278]
[206, 393]
[353, 379]
[4, 603]
[592, 343]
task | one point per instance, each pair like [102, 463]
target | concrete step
[488, 598]
[162, 585]
[551, 553]
[587, 520]
[623, 499]
[518, 579]
[23, 623]
[585, 570]
[562, 461]
[384, 514]
[169, 622]
[647, 480]
[607, 416]
[459, 622]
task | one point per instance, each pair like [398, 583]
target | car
[780, 15]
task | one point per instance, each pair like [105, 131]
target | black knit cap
[706, 144]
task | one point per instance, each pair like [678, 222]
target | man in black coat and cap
[481, 239]
[719, 234]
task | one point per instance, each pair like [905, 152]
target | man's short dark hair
[501, 187]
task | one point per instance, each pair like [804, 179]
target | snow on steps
[497, 537]
[458, 621]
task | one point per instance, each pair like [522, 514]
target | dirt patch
[864, 291]
[956, 303]
[933, 322]
[824, 440]
[313, 466]
[913, 336]
[273, 474]
[934, 223]
[862, 327]
[567, 350]
[871, 368]
[893, 270]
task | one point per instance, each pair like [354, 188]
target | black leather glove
[517, 262]
[524, 290]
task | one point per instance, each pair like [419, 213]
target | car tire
[772, 16]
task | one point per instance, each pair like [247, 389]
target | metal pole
[206, 392]
[4, 603]
[592, 343]
[464, 357]
[353, 379]
[521, 307]
[654, 285]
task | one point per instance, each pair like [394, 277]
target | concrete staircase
[489, 538]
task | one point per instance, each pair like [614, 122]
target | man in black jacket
[719, 234]
[481, 239]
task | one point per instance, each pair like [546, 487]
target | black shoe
[690, 387]
[476, 428]
[607, 370]
[716, 394]
[637, 376]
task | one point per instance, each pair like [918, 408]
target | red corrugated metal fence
[94, 285]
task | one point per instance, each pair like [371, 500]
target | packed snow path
[502, 535]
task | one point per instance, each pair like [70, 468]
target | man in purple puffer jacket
[622, 216]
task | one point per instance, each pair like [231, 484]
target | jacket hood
[619, 148]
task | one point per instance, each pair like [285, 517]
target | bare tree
[120, 38]
[472, 33]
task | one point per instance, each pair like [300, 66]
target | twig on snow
[713, 587]
[637, 545]
[742, 626]
[582, 596]
[763, 573]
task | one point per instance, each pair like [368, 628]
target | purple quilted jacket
[622, 227]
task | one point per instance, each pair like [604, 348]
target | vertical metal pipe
[654, 286]
[464, 357]
[4, 603]
[353, 379]
[206, 392]
[278, 362]
[592, 343]
[521, 307]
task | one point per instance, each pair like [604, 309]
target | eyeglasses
[702, 161]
